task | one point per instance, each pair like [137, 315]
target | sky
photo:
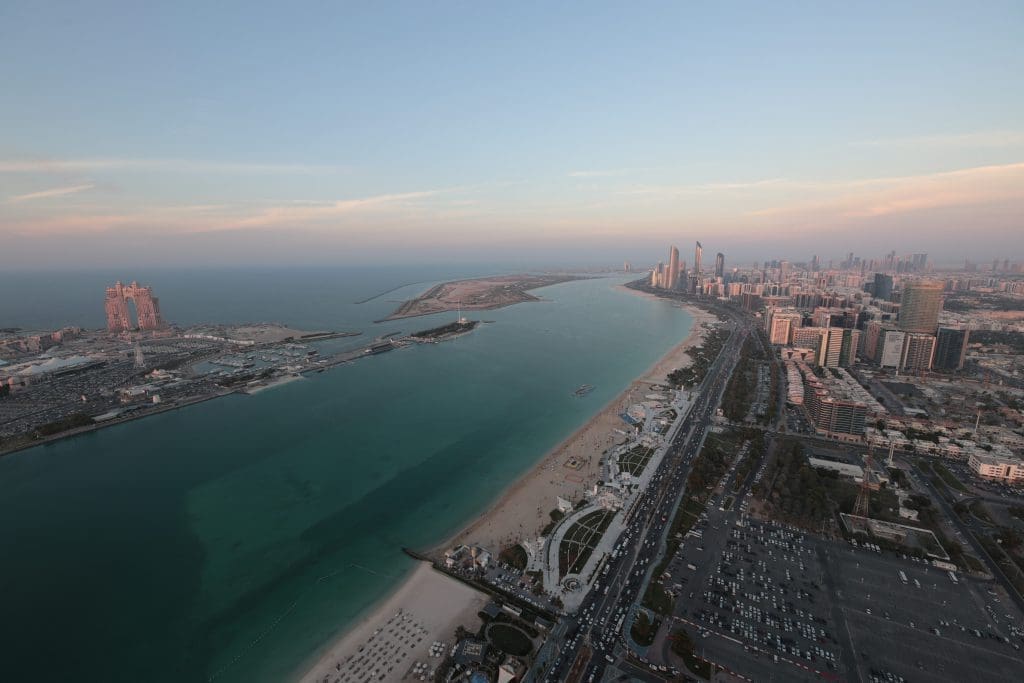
[342, 132]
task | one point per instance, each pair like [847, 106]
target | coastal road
[598, 626]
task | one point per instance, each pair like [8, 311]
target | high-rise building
[147, 307]
[672, 276]
[920, 304]
[697, 254]
[883, 286]
[658, 276]
[950, 349]
[890, 348]
[720, 265]
[808, 338]
[779, 324]
[917, 352]
[838, 347]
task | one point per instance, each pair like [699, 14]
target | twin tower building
[147, 308]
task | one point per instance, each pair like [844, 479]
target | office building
[920, 304]
[950, 349]
[698, 253]
[883, 286]
[720, 265]
[1010, 470]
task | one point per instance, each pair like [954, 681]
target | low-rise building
[996, 467]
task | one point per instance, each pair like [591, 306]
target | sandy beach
[523, 510]
[415, 626]
[440, 604]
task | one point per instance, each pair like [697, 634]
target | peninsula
[477, 294]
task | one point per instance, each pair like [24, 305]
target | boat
[583, 390]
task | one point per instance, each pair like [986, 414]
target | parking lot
[764, 592]
[929, 627]
[764, 595]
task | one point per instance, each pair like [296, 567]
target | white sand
[398, 634]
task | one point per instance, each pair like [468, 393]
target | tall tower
[697, 254]
[860, 507]
[720, 265]
[672, 276]
[920, 304]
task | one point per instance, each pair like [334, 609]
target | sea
[234, 539]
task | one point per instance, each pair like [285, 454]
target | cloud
[45, 194]
[294, 213]
[883, 196]
[170, 165]
[599, 174]
[287, 216]
[1007, 138]
[708, 188]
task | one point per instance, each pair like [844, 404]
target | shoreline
[583, 444]
[398, 630]
[515, 508]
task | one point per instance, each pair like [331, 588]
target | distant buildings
[920, 304]
[698, 253]
[147, 308]
[720, 265]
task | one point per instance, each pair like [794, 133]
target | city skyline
[522, 136]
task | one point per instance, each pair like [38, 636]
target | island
[477, 294]
[444, 332]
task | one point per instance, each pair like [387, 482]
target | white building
[995, 467]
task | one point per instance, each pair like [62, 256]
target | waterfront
[249, 530]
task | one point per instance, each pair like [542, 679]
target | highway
[584, 644]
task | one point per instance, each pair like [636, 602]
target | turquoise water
[233, 538]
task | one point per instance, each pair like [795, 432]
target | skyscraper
[720, 265]
[672, 276]
[919, 307]
[697, 254]
[883, 286]
[950, 349]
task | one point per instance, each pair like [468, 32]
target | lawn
[635, 460]
[581, 539]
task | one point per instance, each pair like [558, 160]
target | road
[968, 530]
[587, 642]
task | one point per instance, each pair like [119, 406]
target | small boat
[583, 390]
